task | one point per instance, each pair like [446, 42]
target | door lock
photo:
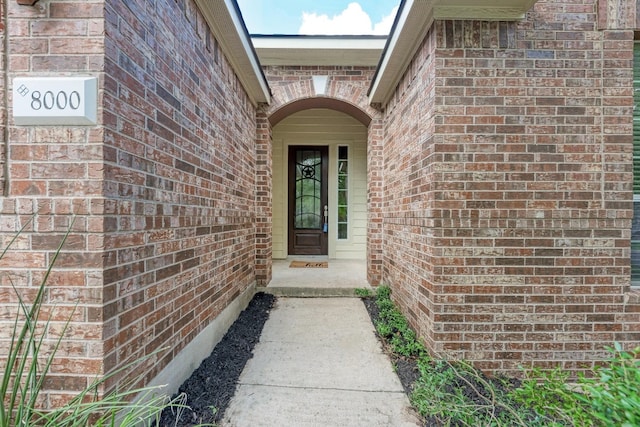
[325, 227]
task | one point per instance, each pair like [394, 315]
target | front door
[308, 168]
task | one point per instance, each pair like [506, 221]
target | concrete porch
[340, 278]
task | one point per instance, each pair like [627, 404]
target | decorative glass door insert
[308, 203]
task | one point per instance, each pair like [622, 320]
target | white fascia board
[479, 13]
[464, 9]
[412, 25]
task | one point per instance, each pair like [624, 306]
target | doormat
[309, 264]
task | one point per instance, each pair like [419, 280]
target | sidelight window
[343, 192]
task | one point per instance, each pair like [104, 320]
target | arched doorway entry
[320, 184]
[345, 97]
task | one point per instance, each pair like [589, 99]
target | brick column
[375, 199]
[264, 189]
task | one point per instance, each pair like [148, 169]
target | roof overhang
[228, 28]
[319, 50]
[414, 19]
[481, 10]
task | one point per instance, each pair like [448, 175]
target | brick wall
[55, 173]
[163, 190]
[348, 86]
[507, 206]
[180, 181]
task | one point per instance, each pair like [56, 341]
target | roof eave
[414, 19]
[318, 50]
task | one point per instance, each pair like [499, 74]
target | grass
[27, 364]
[454, 393]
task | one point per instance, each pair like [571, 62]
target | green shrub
[432, 396]
[393, 326]
[383, 293]
[614, 392]
[609, 398]
[549, 395]
[457, 394]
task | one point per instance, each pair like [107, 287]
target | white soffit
[414, 19]
[228, 29]
[318, 50]
[493, 10]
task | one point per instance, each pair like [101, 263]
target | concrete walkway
[319, 363]
[341, 278]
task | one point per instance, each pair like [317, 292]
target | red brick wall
[507, 206]
[180, 181]
[163, 190]
[55, 173]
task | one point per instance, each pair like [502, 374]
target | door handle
[325, 227]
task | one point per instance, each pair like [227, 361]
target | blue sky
[335, 17]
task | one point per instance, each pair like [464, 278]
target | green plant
[363, 292]
[384, 329]
[430, 391]
[393, 326]
[613, 393]
[549, 395]
[455, 393]
[27, 364]
[126, 406]
[383, 293]
[609, 398]
[450, 393]
[21, 382]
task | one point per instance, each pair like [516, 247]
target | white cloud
[384, 26]
[351, 21]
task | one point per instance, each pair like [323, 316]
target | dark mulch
[213, 384]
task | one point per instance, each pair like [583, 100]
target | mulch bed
[213, 384]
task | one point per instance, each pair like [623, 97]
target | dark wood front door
[308, 167]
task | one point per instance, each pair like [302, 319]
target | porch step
[309, 292]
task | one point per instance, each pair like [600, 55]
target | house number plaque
[55, 100]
